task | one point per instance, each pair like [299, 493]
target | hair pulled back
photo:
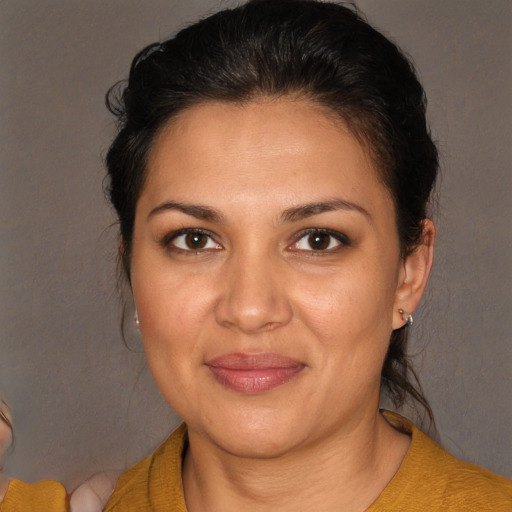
[320, 50]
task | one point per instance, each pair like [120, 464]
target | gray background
[82, 401]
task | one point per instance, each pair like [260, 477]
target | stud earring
[136, 320]
[407, 317]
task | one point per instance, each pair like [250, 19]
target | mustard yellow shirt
[45, 496]
[428, 480]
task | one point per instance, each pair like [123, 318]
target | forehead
[257, 148]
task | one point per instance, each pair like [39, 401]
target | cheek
[351, 300]
[164, 296]
[350, 315]
[173, 311]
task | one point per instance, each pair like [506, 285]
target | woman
[271, 175]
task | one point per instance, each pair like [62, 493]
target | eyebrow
[292, 214]
[310, 209]
[194, 210]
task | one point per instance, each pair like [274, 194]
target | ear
[413, 276]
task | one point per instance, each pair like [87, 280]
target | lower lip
[254, 381]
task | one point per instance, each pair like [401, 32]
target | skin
[93, 494]
[316, 442]
[5, 443]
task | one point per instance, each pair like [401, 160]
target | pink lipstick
[253, 373]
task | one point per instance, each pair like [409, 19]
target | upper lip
[248, 361]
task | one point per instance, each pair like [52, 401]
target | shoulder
[155, 482]
[47, 495]
[458, 485]
[432, 479]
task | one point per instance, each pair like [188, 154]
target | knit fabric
[45, 496]
[429, 479]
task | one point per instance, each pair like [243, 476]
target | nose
[254, 295]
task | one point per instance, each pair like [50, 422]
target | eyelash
[344, 241]
[167, 241]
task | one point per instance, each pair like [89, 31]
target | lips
[253, 373]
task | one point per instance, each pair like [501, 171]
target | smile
[253, 373]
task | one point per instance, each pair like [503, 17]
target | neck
[344, 471]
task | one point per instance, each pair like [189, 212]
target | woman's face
[266, 272]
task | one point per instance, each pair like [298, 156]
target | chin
[256, 434]
[260, 444]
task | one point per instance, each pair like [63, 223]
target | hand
[93, 494]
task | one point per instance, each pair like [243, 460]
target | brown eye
[192, 241]
[195, 241]
[319, 241]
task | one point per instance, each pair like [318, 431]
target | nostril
[254, 317]
[252, 298]
[254, 327]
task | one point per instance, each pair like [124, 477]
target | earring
[407, 317]
[136, 320]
